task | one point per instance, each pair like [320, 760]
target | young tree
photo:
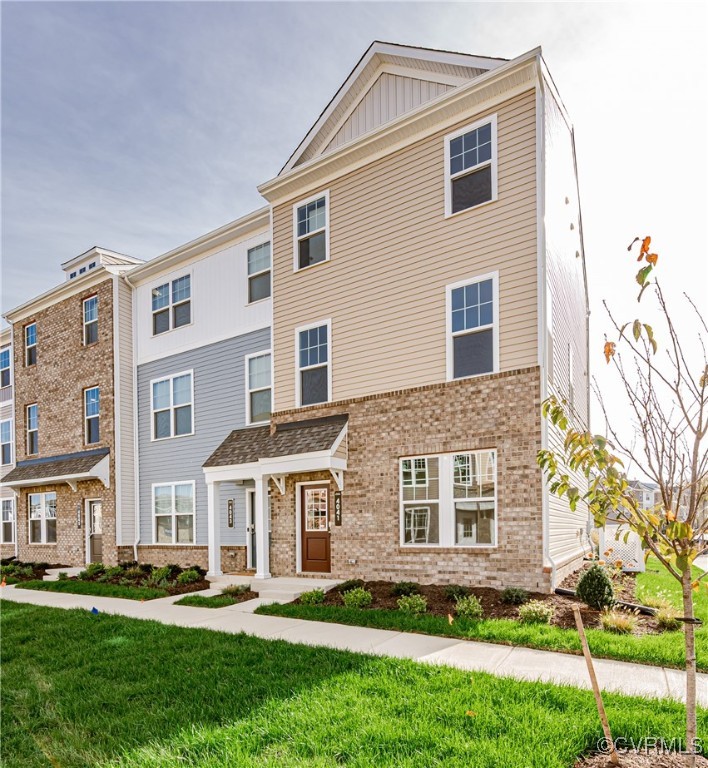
[667, 395]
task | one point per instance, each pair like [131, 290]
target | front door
[95, 516]
[314, 507]
[251, 527]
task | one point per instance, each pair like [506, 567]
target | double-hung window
[260, 385]
[472, 327]
[32, 428]
[172, 305]
[90, 306]
[31, 344]
[258, 259]
[313, 355]
[6, 441]
[449, 500]
[7, 529]
[5, 375]
[173, 507]
[311, 225]
[471, 166]
[91, 415]
[42, 518]
[172, 412]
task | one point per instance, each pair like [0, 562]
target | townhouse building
[72, 367]
[8, 539]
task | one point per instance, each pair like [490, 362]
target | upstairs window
[172, 305]
[311, 220]
[472, 328]
[313, 345]
[32, 424]
[6, 442]
[7, 531]
[90, 320]
[42, 518]
[5, 376]
[258, 272]
[92, 433]
[471, 166]
[31, 344]
[172, 413]
[260, 385]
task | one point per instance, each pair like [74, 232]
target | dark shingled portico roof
[247, 445]
[66, 465]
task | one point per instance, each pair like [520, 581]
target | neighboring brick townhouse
[8, 540]
[73, 414]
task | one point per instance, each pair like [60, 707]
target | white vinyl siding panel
[126, 405]
[393, 253]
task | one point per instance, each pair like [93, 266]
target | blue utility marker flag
[94, 611]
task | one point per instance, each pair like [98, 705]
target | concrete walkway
[505, 661]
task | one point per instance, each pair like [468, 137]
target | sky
[138, 126]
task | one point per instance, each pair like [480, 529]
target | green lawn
[85, 690]
[199, 601]
[656, 580]
[101, 589]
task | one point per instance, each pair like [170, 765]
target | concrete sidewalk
[506, 661]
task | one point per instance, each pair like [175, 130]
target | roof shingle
[66, 465]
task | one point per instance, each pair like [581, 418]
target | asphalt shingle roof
[68, 464]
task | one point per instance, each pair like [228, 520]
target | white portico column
[262, 537]
[214, 529]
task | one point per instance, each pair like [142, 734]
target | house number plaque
[78, 515]
[230, 513]
[337, 507]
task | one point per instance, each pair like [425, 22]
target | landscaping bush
[405, 588]
[515, 596]
[595, 588]
[618, 621]
[357, 598]
[188, 577]
[17, 570]
[314, 597]
[535, 612]
[92, 570]
[413, 604]
[159, 576]
[133, 573]
[469, 607]
[235, 590]
[667, 618]
[63, 576]
[348, 585]
[110, 573]
[455, 591]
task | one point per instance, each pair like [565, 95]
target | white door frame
[298, 519]
[250, 520]
[87, 526]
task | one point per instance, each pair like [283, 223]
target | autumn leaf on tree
[652, 258]
[609, 350]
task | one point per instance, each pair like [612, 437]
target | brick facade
[233, 558]
[499, 411]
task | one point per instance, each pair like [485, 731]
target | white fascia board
[232, 472]
[279, 465]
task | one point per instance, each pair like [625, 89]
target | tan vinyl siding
[392, 255]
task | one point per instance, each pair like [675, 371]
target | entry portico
[259, 455]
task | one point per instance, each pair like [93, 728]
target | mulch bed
[642, 759]
[172, 588]
[39, 570]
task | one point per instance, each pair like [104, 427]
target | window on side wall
[471, 166]
[6, 441]
[92, 433]
[90, 307]
[31, 344]
[259, 385]
[311, 222]
[42, 518]
[313, 354]
[472, 327]
[172, 305]
[7, 529]
[258, 272]
[172, 411]
[32, 428]
[173, 507]
[5, 374]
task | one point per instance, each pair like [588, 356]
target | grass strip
[97, 588]
[199, 601]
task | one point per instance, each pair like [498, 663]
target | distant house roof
[248, 445]
[66, 468]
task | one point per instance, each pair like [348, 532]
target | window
[449, 500]
[32, 420]
[472, 343]
[259, 386]
[91, 415]
[7, 529]
[172, 305]
[172, 406]
[31, 344]
[173, 507]
[5, 375]
[72, 275]
[313, 364]
[90, 320]
[471, 166]
[92, 265]
[310, 224]
[82, 270]
[258, 272]
[42, 518]
[6, 441]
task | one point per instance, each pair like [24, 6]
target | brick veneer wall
[233, 559]
[499, 411]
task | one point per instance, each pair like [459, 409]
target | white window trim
[174, 515]
[85, 324]
[13, 522]
[449, 335]
[28, 430]
[296, 239]
[172, 305]
[10, 364]
[446, 502]
[11, 443]
[493, 162]
[247, 360]
[30, 346]
[257, 274]
[171, 407]
[87, 417]
[43, 527]
[308, 327]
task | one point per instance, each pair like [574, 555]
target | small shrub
[595, 588]
[110, 573]
[619, 622]
[63, 576]
[412, 604]
[405, 589]
[348, 585]
[17, 570]
[667, 618]
[158, 575]
[357, 598]
[235, 590]
[94, 569]
[314, 597]
[515, 596]
[659, 600]
[455, 591]
[469, 607]
[188, 577]
[133, 573]
[535, 612]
